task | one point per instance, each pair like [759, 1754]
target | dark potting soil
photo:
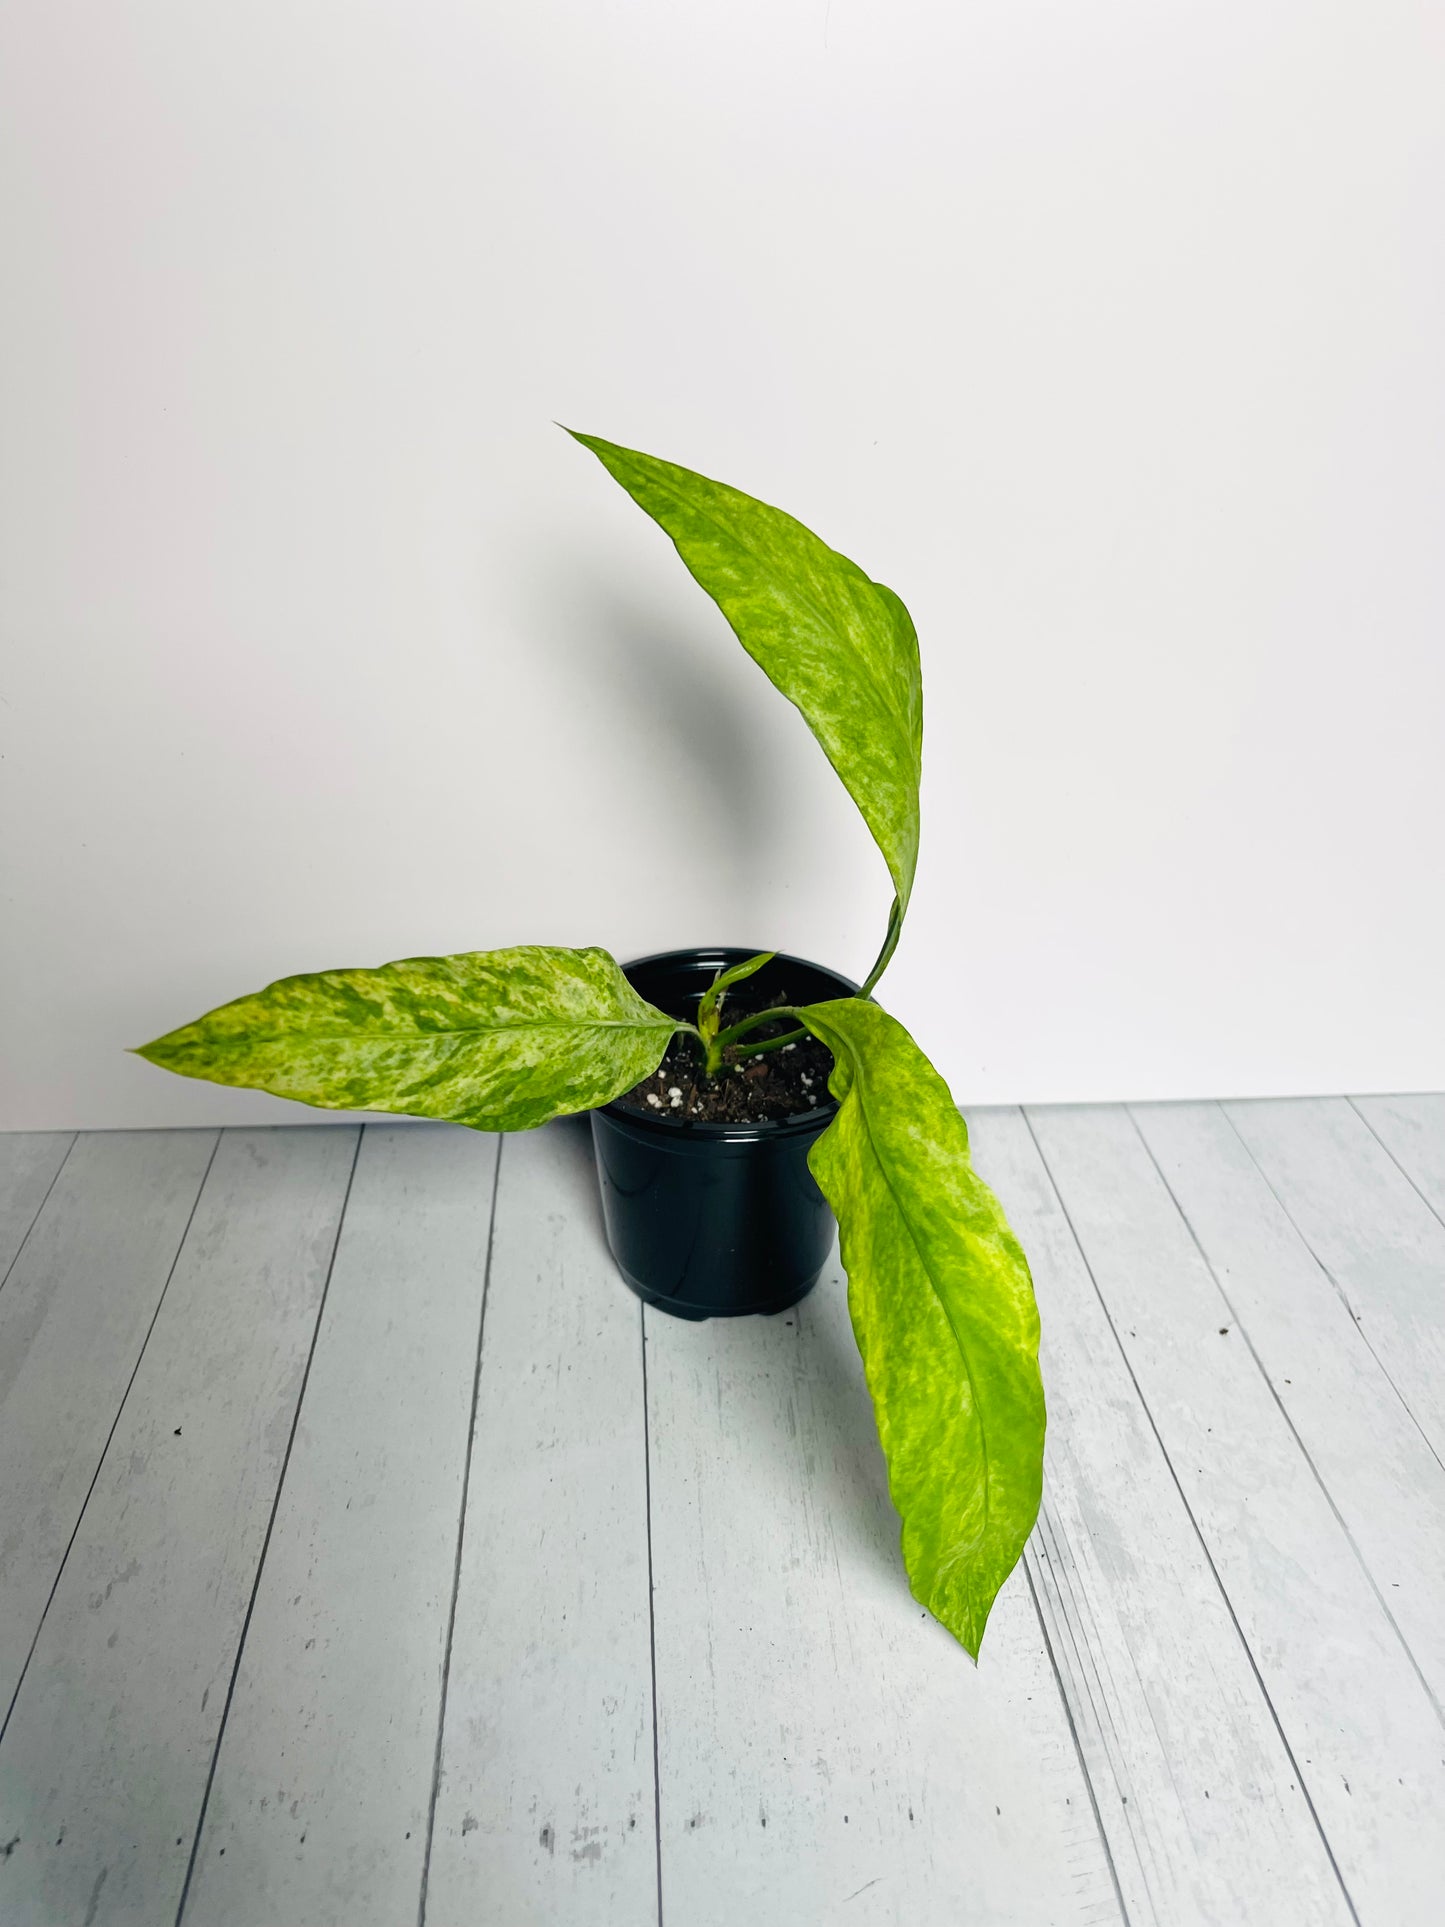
[748, 1090]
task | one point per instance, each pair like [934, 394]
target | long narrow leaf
[500, 1040]
[840, 647]
[943, 1309]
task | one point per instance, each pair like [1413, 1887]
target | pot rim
[765, 1130]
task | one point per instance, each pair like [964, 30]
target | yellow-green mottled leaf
[839, 646]
[500, 1040]
[943, 1309]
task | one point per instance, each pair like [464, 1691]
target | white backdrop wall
[1108, 333]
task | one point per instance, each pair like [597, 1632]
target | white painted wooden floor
[367, 1556]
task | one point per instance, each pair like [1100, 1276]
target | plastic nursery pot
[715, 1220]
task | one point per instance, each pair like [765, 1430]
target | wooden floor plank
[1387, 1485]
[73, 1319]
[1412, 1130]
[319, 1807]
[827, 1752]
[1372, 1231]
[544, 1816]
[103, 1767]
[1364, 1734]
[30, 1161]
[1193, 1782]
[1215, 1679]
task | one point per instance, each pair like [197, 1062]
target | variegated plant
[502, 1040]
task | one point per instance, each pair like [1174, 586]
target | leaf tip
[159, 1051]
[967, 1626]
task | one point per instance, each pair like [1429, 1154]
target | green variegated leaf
[842, 648]
[725, 979]
[943, 1309]
[500, 1040]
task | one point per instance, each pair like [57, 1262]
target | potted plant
[733, 1092]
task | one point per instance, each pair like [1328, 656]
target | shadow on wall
[678, 711]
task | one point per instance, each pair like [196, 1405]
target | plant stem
[751, 1022]
[890, 944]
[745, 1024]
[769, 1043]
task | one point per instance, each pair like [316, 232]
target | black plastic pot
[715, 1220]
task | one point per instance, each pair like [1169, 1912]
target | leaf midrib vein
[425, 1036]
[859, 1085]
[880, 691]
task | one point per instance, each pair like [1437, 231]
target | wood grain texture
[104, 1765]
[73, 1318]
[1371, 1230]
[1228, 1611]
[1363, 1732]
[827, 1751]
[1203, 1811]
[544, 1814]
[1384, 1481]
[1412, 1130]
[318, 1811]
[29, 1164]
